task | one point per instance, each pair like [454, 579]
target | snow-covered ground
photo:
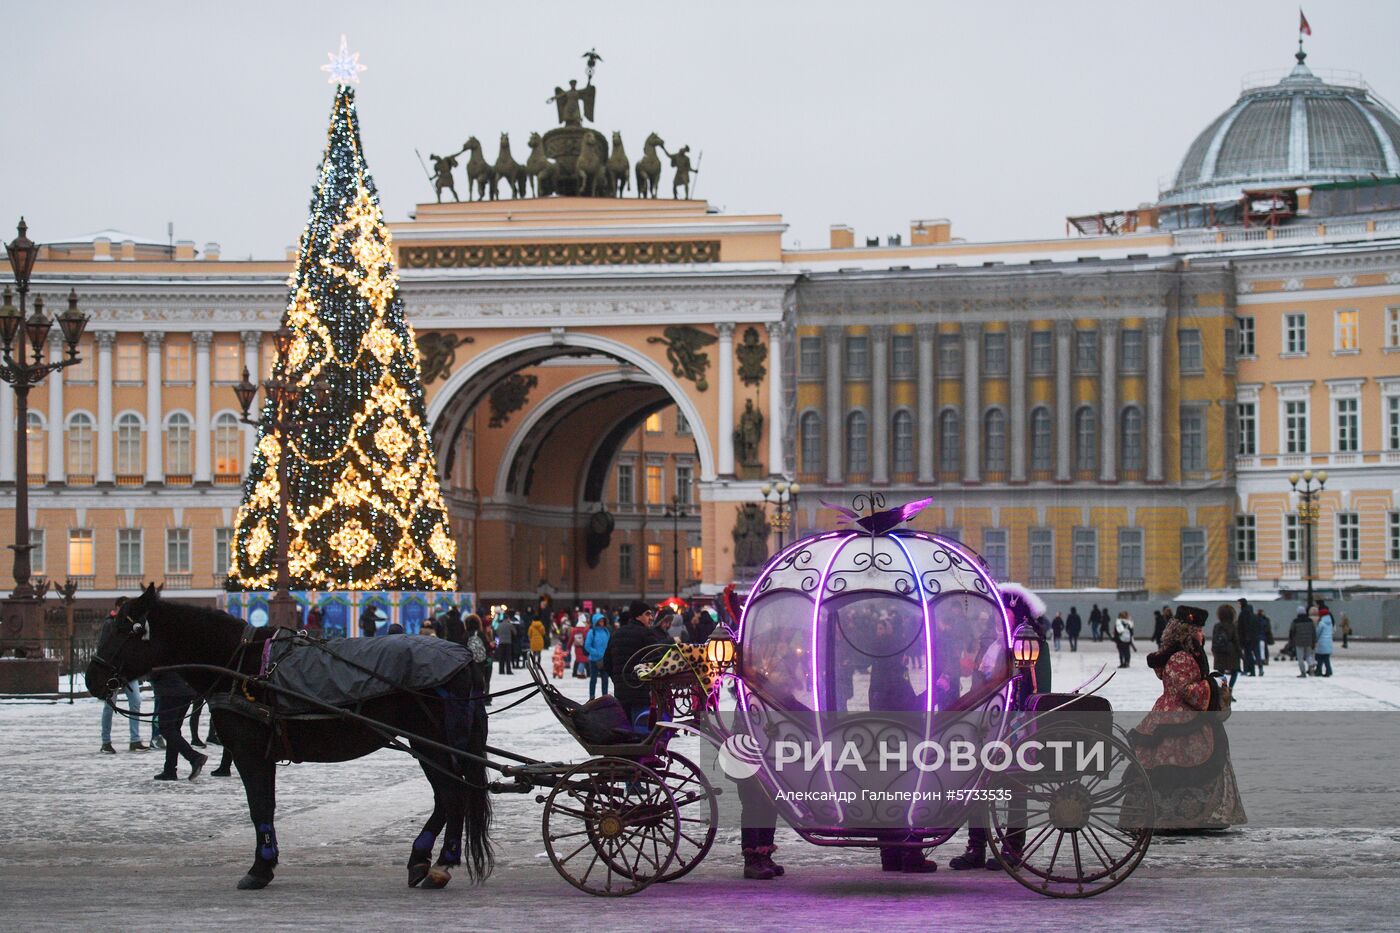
[89, 840]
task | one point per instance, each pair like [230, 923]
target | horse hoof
[252, 882]
[437, 877]
[416, 873]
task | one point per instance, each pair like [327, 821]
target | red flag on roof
[1303, 28]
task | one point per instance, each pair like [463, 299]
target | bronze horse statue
[619, 168]
[540, 171]
[592, 170]
[480, 175]
[649, 168]
[507, 169]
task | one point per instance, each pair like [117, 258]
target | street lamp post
[675, 512]
[21, 338]
[1309, 507]
[68, 591]
[783, 495]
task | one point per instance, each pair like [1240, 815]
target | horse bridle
[139, 629]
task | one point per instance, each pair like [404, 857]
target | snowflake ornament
[344, 68]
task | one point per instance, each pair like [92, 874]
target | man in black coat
[1249, 638]
[632, 636]
[1073, 624]
[175, 696]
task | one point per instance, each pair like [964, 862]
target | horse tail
[478, 856]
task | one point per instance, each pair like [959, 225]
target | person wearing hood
[1323, 649]
[595, 645]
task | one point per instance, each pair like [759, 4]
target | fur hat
[1022, 602]
[1192, 615]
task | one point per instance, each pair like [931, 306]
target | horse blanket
[349, 671]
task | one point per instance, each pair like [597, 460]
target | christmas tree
[365, 508]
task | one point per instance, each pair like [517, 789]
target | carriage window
[971, 658]
[777, 645]
[872, 654]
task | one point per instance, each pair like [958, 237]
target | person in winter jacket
[1072, 629]
[536, 639]
[175, 696]
[1056, 627]
[1323, 649]
[633, 636]
[1303, 637]
[595, 645]
[1123, 637]
[1247, 624]
[1225, 644]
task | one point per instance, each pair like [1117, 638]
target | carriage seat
[603, 721]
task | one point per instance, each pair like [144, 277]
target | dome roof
[1299, 131]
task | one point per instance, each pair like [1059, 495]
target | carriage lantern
[1025, 645]
[719, 650]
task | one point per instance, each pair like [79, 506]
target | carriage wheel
[611, 827]
[698, 808]
[1083, 834]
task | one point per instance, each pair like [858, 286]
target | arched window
[857, 443]
[949, 442]
[177, 444]
[128, 445]
[38, 443]
[1086, 440]
[228, 448]
[1042, 440]
[902, 436]
[80, 445]
[811, 442]
[1130, 438]
[994, 441]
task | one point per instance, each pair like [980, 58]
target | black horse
[148, 632]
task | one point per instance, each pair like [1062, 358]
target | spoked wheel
[698, 810]
[611, 827]
[1078, 834]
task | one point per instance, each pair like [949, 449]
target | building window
[227, 446]
[656, 483]
[654, 563]
[80, 556]
[994, 441]
[228, 364]
[177, 362]
[1247, 426]
[902, 432]
[223, 551]
[653, 423]
[1130, 567]
[902, 355]
[857, 443]
[1245, 552]
[1086, 440]
[949, 355]
[1042, 352]
[1346, 338]
[1085, 568]
[37, 444]
[685, 482]
[1392, 422]
[1392, 550]
[1132, 357]
[949, 442]
[129, 562]
[1392, 328]
[1042, 440]
[1193, 557]
[994, 353]
[177, 550]
[811, 442]
[682, 425]
[177, 444]
[1086, 351]
[129, 445]
[697, 562]
[1188, 344]
[1193, 439]
[1295, 333]
[1042, 548]
[1245, 330]
[1292, 538]
[1295, 427]
[80, 445]
[128, 363]
[626, 572]
[626, 484]
[1130, 439]
[857, 357]
[1348, 537]
[1348, 417]
[37, 550]
[994, 550]
[809, 357]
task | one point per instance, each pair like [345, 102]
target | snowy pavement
[90, 840]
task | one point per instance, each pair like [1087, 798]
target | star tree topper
[344, 68]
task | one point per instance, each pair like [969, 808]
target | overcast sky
[1004, 117]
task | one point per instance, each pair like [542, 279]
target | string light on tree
[365, 511]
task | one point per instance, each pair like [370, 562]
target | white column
[880, 404]
[104, 340]
[1018, 401]
[1064, 399]
[7, 433]
[776, 409]
[835, 405]
[928, 404]
[155, 427]
[57, 473]
[1154, 400]
[972, 403]
[726, 397]
[203, 471]
[252, 342]
[1108, 402]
